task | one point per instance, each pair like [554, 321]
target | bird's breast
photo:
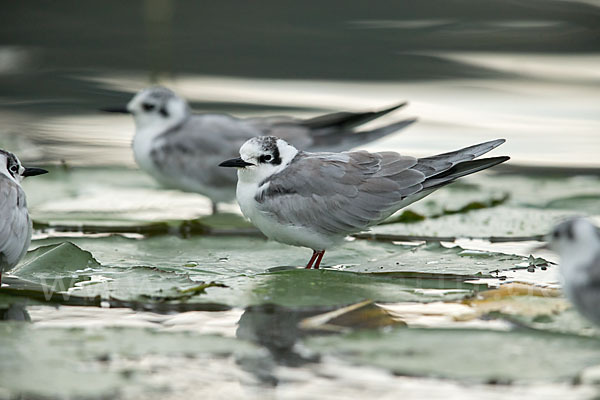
[144, 143]
[266, 221]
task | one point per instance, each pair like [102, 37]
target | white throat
[147, 130]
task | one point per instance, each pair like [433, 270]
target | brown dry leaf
[519, 299]
[519, 289]
[363, 315]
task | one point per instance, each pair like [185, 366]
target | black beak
[235, 162]
[121, 110]
[34, 171]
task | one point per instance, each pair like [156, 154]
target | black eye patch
[148, 106]
[274, 158]
[569, 232]
[163, 111]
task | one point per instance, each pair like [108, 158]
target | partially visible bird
[577, 241]
[181, 150]
[316, 199]
[15, 224]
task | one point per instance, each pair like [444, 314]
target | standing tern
[314, 200]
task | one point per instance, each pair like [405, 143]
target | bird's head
[11, 167]
[574, 239]
[156, 107]
[261, 157]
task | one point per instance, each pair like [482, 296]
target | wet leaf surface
[471, 355]
[54, 357]
[135, 282]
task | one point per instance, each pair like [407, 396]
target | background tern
[181, 150]
[577, 241]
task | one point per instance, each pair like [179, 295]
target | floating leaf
[363, 315]
[466, 354]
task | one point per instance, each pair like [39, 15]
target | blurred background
[149, 263]
[528, 71]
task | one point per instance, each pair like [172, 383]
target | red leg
[312, 260]
[319, 258]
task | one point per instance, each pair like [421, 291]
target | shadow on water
[15, 312]
[279, 329]
[276, 328]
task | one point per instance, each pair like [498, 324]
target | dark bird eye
[265, 158]
[148, 107]
[14, 169]
[570, 233]
[556, 234]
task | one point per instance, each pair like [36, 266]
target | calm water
[526, 71]
[472, 70]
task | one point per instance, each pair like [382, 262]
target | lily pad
[98, 363]
[502, 221]
[55, 260]
[167, 269]
[467, 355]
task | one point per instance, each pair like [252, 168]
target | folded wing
[342, 193]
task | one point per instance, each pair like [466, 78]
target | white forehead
[251, 149]
[258, 146]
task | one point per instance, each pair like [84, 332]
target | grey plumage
[585, 295]
[349, 192]
[344, 119]
[315, 199]
[15, 224]
[577, 241]
[196, 147]
[182, 149]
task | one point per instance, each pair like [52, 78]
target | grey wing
[15, 225]
[347, 192]
[593, 271]
[587, 295]
[345, 119]
[433, 165]
[340, 193]
[289, 129]
[328, 132]
[195, 150]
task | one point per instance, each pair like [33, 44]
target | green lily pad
[502, 221]
[98, 363]
[467, 355]
[242, 271]
[509, 205]
[59, 259]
